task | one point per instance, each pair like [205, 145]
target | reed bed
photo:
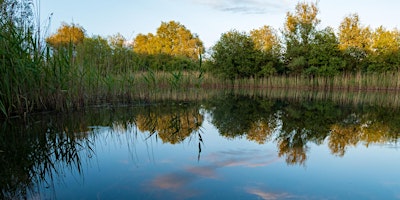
[389, 81]
[380, 98]
[69, 87]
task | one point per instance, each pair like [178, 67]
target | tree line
[301, 48]
[304, 49]
[172, 48]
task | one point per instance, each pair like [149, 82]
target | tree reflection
[173, 124]
[236, 116]
[295, 124]
[366, 128]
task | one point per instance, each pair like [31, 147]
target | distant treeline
[301, 48]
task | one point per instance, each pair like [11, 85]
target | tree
[117, 41]
[173, 39]
[354, 41]
[266, 41]
[325, 56]
[67, 35]
[299, 31]
[144, 44]
[95, 51]
[385, 48]
[235, 55]
[122, 54]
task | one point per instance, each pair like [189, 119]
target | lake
[229, 146]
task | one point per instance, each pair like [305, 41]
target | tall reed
[21, 59]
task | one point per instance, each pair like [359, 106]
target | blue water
[119, 161]
[129, 166]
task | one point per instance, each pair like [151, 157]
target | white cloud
[246, 6]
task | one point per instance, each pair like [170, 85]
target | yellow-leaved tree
[67, 34]
[266, 40]
[353, 35]
[385, 42]
[354, 41]
[172, 38]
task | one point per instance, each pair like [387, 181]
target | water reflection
[34, 153]
[38, 150]
[172, 125]
[179, 183]
[295, 124]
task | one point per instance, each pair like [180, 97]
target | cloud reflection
[179, 182]
[173, 181]
[242, 157]
[176, 183]
[204, 171]
[269, 195]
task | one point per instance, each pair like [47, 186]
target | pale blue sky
[208, 18]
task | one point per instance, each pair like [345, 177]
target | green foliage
[164, 62]
[299, 33]
[21, 58]
[325, 56]
[95, 52]
[267, 70]
[235, 55]
[176, 79]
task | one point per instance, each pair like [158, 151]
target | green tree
[299, 32]
[235, 55]
[95, 51]
[122, 54]
[325, 56]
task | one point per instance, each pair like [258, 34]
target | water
[228, 147]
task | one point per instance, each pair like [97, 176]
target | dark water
[228, 147]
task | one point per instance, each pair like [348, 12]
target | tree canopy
[172, 38]
[67, 34]
[299, 32]
[234, 55]
[300, 48]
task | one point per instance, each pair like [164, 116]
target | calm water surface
[228, 147]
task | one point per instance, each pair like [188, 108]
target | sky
[207, 18]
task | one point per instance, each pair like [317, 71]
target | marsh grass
[389, 81]
[68, 86]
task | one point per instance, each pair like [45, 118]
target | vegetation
[71, 69]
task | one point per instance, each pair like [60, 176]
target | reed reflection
[36, 153]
